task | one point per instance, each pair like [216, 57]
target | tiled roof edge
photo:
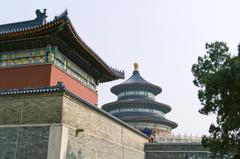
[6, 92]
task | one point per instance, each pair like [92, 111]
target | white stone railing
[179, 139]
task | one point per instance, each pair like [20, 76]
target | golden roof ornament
[136, 66]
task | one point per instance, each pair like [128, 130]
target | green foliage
[217, 75]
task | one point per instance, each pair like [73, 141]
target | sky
[164, 37]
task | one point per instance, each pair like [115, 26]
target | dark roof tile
[12, 27]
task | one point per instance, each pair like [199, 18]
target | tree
[217, 75]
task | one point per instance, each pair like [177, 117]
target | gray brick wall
[176, 151]
[88, 146]
[24, 142]
[10, 110]
[31, 109]
[25, 122]
[102, 137]
[8, 137]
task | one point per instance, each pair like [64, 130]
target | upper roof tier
[59, 32]
[136, 82]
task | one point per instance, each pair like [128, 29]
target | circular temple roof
[136, 82]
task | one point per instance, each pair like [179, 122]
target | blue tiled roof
[39, 20]
[136, 78]
[149, 103]
[136, 81]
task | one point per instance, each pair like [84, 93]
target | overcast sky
[164, 36]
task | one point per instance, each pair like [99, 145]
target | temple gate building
[49, 52]
[48, 96]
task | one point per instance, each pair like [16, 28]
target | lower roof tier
[145, 117]
[139, 103]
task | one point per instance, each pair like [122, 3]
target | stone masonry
[59, 125]
[173, 150]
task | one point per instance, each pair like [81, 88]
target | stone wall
[24, 125]
[176, 151]
[55, 125]
[31, 109]
[101, 137]
[24, 142]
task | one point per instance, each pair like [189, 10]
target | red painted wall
[73, 85]
[43, 75]
[25, 76]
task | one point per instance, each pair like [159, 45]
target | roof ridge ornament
[136, 66]
[63, 15]
[41, 16]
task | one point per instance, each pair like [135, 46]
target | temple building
[48, 96]
[136, 105]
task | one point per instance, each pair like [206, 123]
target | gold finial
[136, 66]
